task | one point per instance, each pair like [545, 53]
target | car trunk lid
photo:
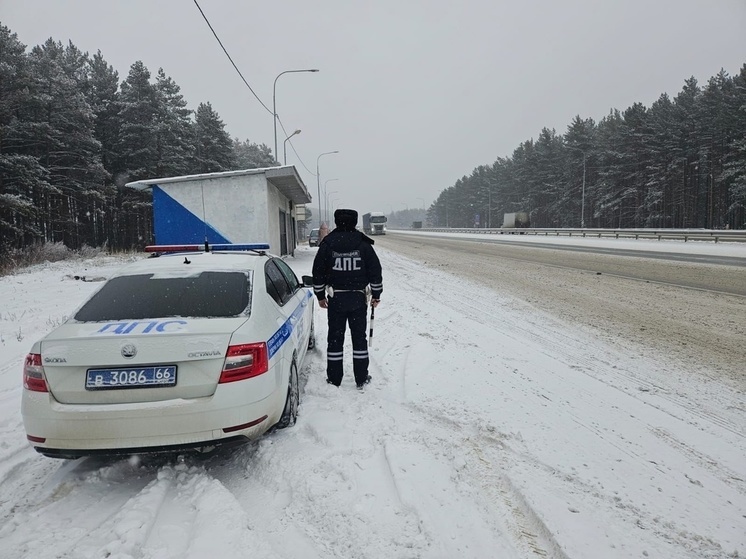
[116, 351]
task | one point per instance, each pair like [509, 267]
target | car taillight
[244, 361]
[33, 374]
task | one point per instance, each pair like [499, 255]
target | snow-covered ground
[490, 430]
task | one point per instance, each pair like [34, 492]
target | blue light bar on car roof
[239, 246]
[207, 248]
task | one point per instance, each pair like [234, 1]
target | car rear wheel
[290, 413]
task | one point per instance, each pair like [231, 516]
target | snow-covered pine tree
[22, 177]
[64, 141]
[252, 156]
[734, 173]
[214, 147]
[174, 134]
[138, 141]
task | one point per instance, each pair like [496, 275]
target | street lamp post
[285, 148]
[318, 179]
[326, 206]
[274, 99]
[332, 201]
[326, 182]
[582, 196]
[489, 208]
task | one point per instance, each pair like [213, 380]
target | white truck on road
[374, 223]
[516, 220]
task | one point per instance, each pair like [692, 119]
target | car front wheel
[290, 413]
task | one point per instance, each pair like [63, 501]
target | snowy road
[702, 265]
[496, 426]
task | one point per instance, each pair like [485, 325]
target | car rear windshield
[203, 295]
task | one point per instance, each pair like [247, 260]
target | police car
[196, 347]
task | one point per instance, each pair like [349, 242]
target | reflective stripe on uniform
[334, 355]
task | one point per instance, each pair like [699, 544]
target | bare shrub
[45, 252]
[90, 252]
[56, 321]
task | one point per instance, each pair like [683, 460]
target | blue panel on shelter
[175, 224]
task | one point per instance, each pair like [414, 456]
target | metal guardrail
[716, 235]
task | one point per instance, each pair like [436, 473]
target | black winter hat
[345, 219]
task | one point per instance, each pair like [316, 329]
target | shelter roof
[284, 177]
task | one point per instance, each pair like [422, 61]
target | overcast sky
[413, 93]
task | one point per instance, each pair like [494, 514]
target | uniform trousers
[347, 308]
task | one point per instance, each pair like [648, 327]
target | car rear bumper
[204, 446]
[83, 429]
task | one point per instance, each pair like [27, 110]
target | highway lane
[717, 273]
[701, 258]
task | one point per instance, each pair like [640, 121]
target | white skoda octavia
[186, 350]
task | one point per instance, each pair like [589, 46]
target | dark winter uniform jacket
[347, 262]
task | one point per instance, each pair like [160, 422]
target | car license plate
[136, 377]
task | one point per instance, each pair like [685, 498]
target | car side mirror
[307, 281]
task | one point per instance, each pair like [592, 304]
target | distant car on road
[186, 350]
[313, 238]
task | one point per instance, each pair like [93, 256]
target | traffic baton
[370, 334]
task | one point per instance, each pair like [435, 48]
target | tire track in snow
[522, 520]
[344, 487]
[69, 499]
[573, 354]
[182, 515]
[395, 380]
[491, 455]
[124, 531]
[723, 473]
[126, 510]
[517, 517]
[336, 507]
[20, 469]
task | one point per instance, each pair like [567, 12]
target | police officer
[344, 266]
